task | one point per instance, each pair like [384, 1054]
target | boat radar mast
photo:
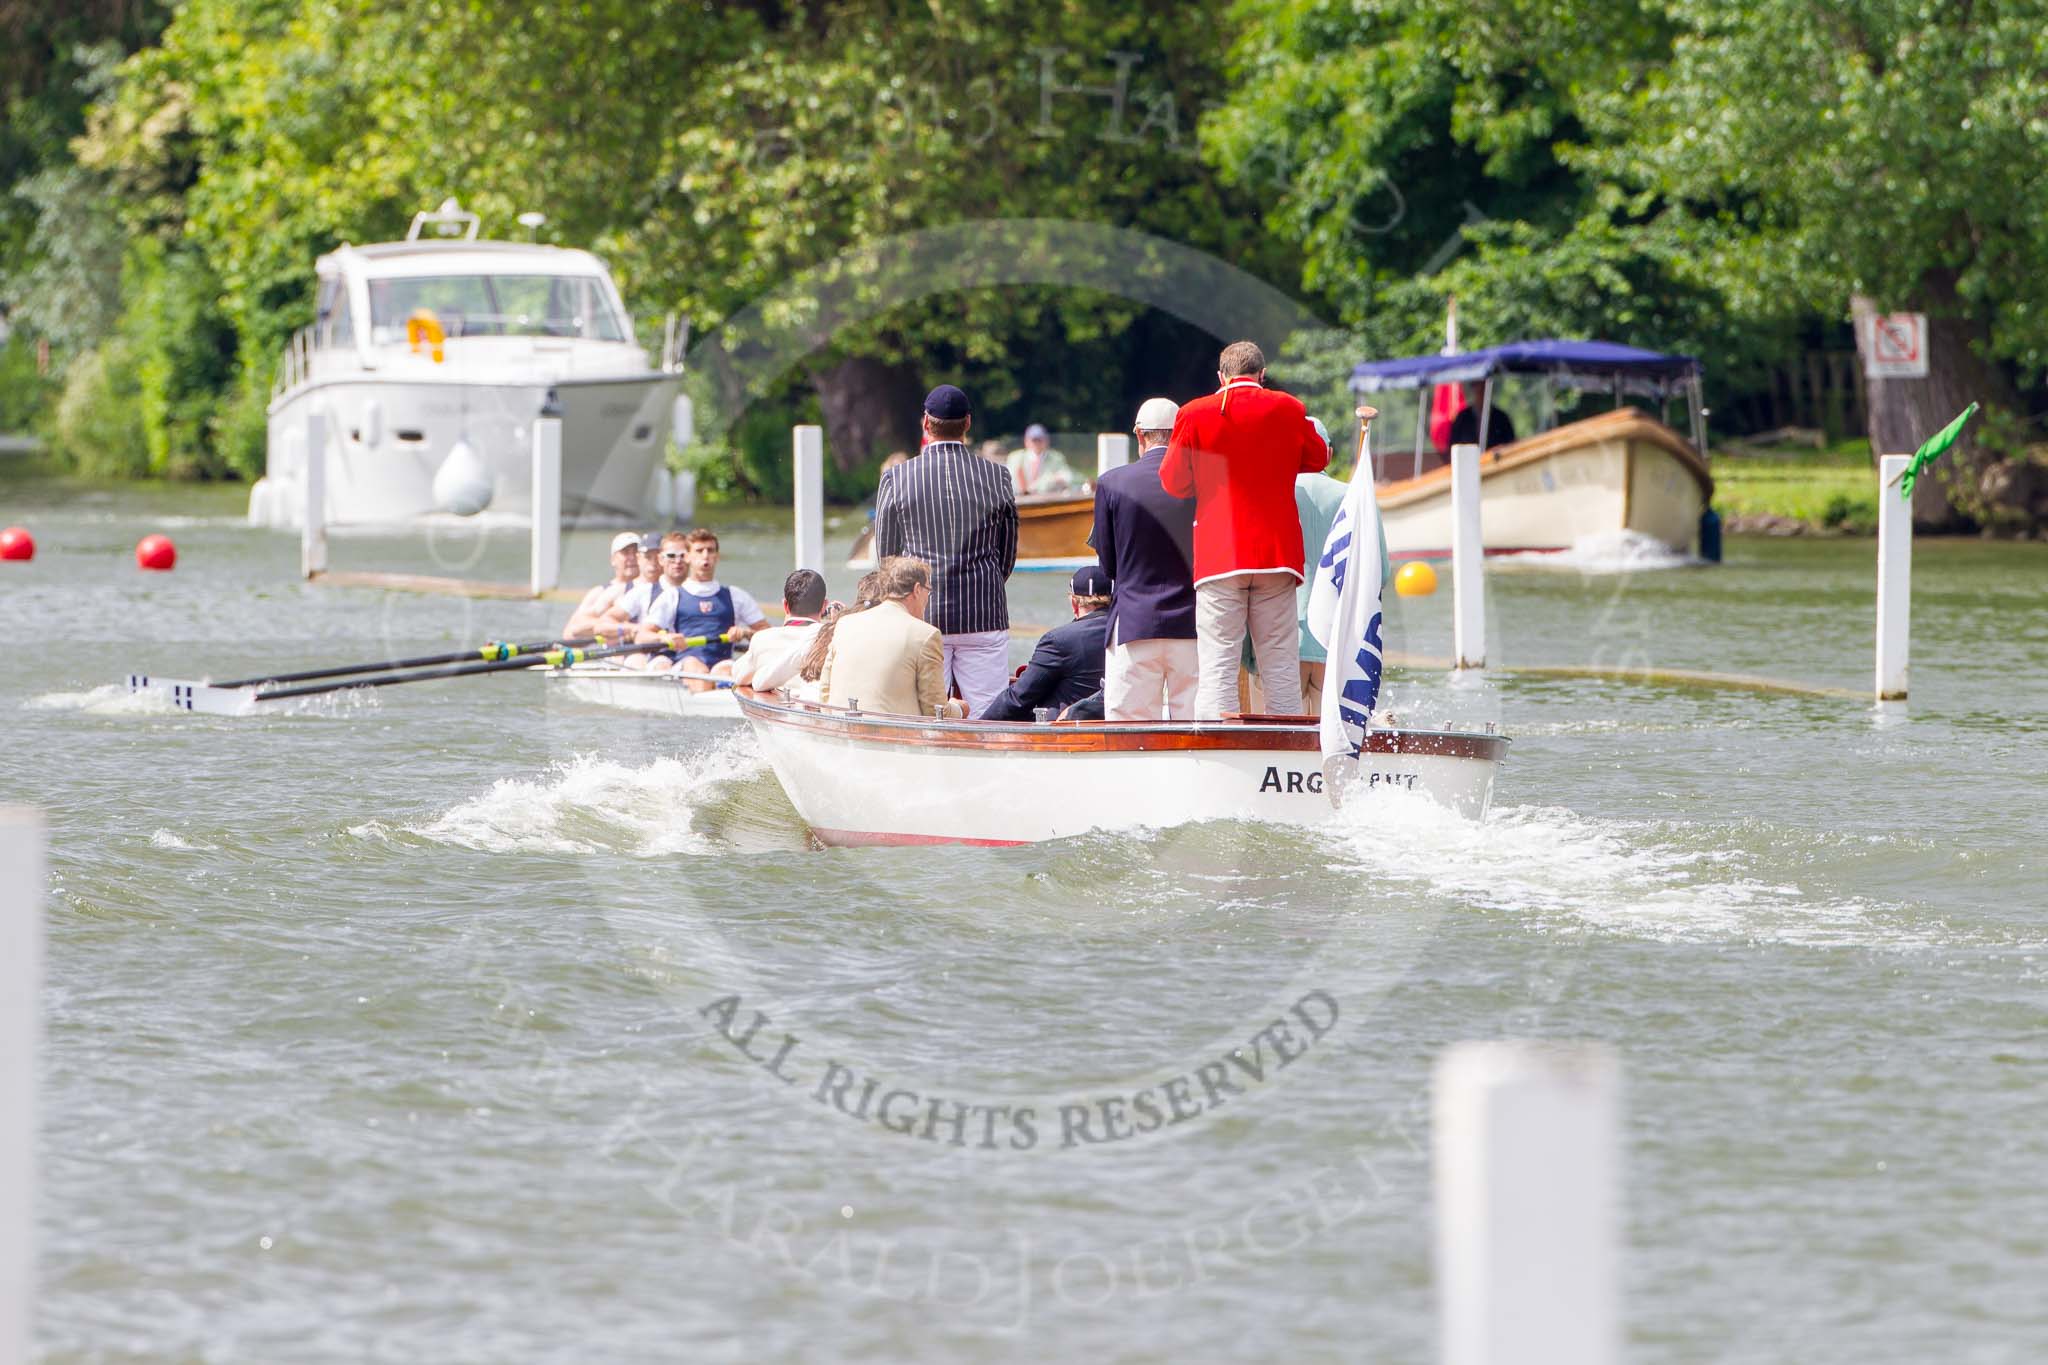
[448, 220]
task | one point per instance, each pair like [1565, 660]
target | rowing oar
[494, 651]
[221, 699]
[552, 658]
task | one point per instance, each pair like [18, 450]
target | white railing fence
[296, 365]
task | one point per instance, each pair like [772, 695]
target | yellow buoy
[1415, 580]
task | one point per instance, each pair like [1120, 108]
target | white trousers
[1226, 609]
[978, 663]
[1149, 680]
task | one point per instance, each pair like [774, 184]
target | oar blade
[198, 697]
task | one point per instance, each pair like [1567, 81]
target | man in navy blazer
[1067, 665]
[1144, 539]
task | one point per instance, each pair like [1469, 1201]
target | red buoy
[156, 552]
[17, 543]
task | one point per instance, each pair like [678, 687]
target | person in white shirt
[693, 603]
[595, 612]
[774, 656]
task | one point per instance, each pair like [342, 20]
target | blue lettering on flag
[1361, 691]
[1335, 544]
[1336, 559]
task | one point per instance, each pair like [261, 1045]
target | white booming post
[1112, 451]
[21, 973]
[313, 526]
[1526, 1207]
[545, 572]
[1894, 577]
[810, 497]
[661, 495]
[1468, 561]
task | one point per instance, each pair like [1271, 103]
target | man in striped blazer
[956, 512]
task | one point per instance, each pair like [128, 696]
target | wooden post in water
[21, 980]
[810, 497]
[545, 569]
[1468, 561]
[1894, 577]
[313, 527]
[1525, 1204]
[1112, 451]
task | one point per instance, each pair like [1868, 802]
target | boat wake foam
[592, 804]
[114, 699]
[1669, 881]
[1605, 552]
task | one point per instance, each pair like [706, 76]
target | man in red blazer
[1236, 453]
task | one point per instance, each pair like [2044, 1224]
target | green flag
[1936, 447]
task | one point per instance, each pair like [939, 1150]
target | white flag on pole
[1344, 614]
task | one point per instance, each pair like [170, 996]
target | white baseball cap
[625, 540]
[1157, 414]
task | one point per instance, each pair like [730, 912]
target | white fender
[462, 484]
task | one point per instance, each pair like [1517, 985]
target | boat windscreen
[496, 305]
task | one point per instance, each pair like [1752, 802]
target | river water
[410, 1028]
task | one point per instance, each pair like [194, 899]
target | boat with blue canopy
[1620, 470]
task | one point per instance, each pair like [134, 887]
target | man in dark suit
[1067, 665]
[1144, 540]
[1500, 428]
[956, 512]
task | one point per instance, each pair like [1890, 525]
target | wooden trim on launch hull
[1267, 733]
[1623, 424]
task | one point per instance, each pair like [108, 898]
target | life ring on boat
[423, 324]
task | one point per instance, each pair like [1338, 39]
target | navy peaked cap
[947, 403]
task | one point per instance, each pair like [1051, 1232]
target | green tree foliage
[841, 126]
[51, 53]
[97, 424]
[1423, 150]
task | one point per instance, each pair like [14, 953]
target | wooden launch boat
[1620, 471]
[1055, 526]
[867, 778]
[1052, 533]
[634, 689]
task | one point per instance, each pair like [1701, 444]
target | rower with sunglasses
[690, 601]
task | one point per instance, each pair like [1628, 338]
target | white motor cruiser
[430, 359]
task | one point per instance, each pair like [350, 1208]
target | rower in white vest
[603, 606]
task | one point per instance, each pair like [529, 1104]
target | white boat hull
[860, 779]
[1621, 471]
[387, 438]
[629, 689]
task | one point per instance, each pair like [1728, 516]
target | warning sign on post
[1896, 347]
